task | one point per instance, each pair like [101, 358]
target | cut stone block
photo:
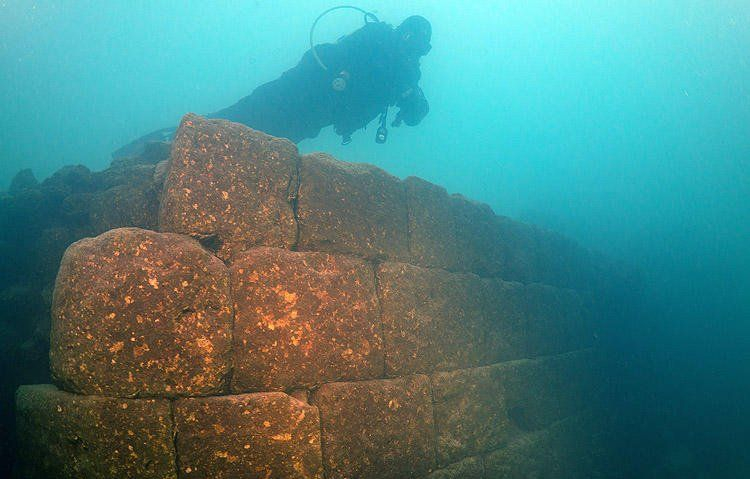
[124, 205]
[531, 455]
[302, 319]
[230, 185]
[469, 468]
[479, 238]
[140, 313]
[471, 410]
[67, 436]
[481, 409]
[351, 208]
[432, 231]
[504, 306]
[569, 448]
[565, 263]
[559, 320]
[521, 260]
[492, 245]
[248, 436]
[436, 320]
[377, 429]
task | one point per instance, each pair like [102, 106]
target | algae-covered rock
[24, 180]
[433, 235]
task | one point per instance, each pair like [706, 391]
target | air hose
[368, 16]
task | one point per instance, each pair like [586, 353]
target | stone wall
[304, 317]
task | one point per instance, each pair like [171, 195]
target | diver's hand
[398, 120]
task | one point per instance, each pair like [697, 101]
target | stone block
[570, 448]
[377, 429]
[478, 237]
[504, 312]
[67, 436]
[521, 260]
[122, 206]
[351, 208]
[432, 319]
[471, 410]
[248, 436]
[432, 231]
[436, 320]
[562, 262]
[140, 313]
[493, 245]
[230, 185]
[558, 320]
[469, 468]
[482, 409]
[302, 319]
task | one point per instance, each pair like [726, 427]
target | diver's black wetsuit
[381, 66]
[302, 101]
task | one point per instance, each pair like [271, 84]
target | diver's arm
[413, 107]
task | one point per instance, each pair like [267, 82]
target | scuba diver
[346, 84]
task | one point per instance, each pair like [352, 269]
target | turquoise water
[622, 124]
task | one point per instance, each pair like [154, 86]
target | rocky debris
[140, 313]
[302, 319]
[420, 305]
[24, 180]
[67, 436]
[377, 429]
[479, 410]
[351, 208]
[230, 183]
[262, 435]
[469, 468]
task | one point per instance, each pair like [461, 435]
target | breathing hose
[368, 16]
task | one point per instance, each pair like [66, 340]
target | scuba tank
[339, 82]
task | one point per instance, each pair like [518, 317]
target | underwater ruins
[239, 310]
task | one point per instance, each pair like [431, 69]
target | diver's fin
[136, 148]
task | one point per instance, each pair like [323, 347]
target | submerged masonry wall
[304, 317]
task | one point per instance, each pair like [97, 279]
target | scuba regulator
[382, 134]
[340, 81]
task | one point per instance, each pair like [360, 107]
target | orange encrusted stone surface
[140, 313]
[230, 186]
[303, 319]
[260, 435]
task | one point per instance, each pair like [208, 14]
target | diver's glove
[412, 108]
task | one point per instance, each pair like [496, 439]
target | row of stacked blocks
[304, 317]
